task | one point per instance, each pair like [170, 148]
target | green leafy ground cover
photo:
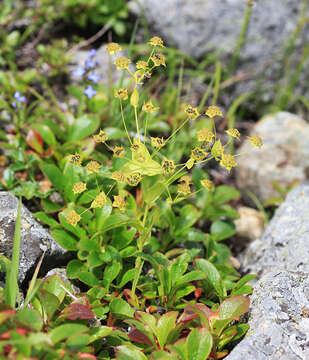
[135, 204]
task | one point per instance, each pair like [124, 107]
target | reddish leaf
[86, 356]
[79, 309]
[187, 315]
[34, 140]
[6, 314]
[138, 336]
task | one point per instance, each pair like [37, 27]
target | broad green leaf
[99, 333]
[191, 276]
[48, 220]
[54, 175]
[64, 331]
[224, 194]
[212, 276]
[110, 273]
[83, 127]
[30, 318]
[54, 285]
[221, 230]
[233, 307]
[51, 207]
[47, 135]
[88, 278]
[129, 352]
[65, 239]
[74, 267]
[49, 302]
[121, 309]
[165, 325]
[199, 344]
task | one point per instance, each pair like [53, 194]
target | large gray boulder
[200, 26]
[285, 243]
[283, 159]
[34, 238]
[278, 319]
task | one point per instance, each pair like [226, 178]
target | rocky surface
[250, 224]
[34, 238]
[284, 157]
[285, 243]
[279, 319]
[199, 26]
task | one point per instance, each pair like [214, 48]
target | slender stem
[124, 122]
[136, 123]
[145, 129]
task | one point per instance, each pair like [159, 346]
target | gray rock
[34, 238]
[105, 67]
[284, 157]
[285, 243]
[200, 26]
[278, 319]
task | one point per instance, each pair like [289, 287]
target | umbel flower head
[118, 176]
[73, 218]
[75, 159]
[234, 133]
[99, 201]
[156, 41]
[141, 65]
[133, 179]
[121, 94]
[79, 187]
[93, 167]
[111, 48]
[184, 188]
[213, 111]
[157, 142]
[118, 151]
[228, 161]
[205, 135]
[149, 108]
[191, 112]
[256, 141]
[158, 59]
[208, 184]
[198, 154]
[120, 202]
[101, 137]
[168, 166]
[122, 63]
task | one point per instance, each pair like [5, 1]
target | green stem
[124, 122]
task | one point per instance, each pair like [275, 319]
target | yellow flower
[118, 151]
[217, 149]
[208, 184]
[118, 176]
[205, 135]
[141, 65]
[99, 201]
[184, 188]
[234, 133]
[190, 163]
[75, 159]
[93, 167]
[133, 179]
[101, 137]
[157, 142]
[120, 202]
[121, 94]
[79, 187]
[112, 48]
[213, 111]
[198, 154]
[158, 59]
[228, 161]
[191, 112]
[73, 218]
[136, 145]
[149, 108]
[156, 41]
[185, 179]
[256, 141]
[168, 166]
[122, 63]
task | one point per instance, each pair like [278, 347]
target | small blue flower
[79, 72]
[13, 103]
[94, 77]
[89, 92]
[90, 64]
[19, 98]
[92, 53]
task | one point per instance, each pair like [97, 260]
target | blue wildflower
[89, 92]
[94, 77]
[19, 97]
[90, 64]
[79, 71]
[92, 53]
